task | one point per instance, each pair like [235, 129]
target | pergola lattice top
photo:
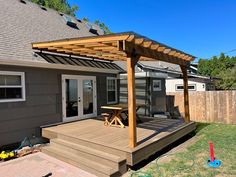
[131, 48]
[116, 47]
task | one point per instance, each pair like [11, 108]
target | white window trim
[176, 85]
[156, 89]
[112, 78]
[13, 73]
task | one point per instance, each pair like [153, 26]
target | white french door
[79, 97]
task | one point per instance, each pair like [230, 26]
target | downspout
[146, 90]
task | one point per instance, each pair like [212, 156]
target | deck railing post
[131, 62]
[186, 94]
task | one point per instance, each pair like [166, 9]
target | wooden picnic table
[117, 109]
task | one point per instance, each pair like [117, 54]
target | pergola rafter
[111, 44]
[129, 47]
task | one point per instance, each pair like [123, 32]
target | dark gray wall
[142, 93]
[158, 98]
[155, 101]
[43, 103]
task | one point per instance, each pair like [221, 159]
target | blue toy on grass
[212, 162]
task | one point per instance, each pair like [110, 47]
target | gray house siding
[43, 103]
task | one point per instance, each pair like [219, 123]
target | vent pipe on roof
[79, 20]
[94, 31]
[70, 22]
[43, 8]
[60, 13]
[92, 28]
[22, 1]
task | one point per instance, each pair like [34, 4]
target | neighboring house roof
[21, 24]
[171, 72]
[153, 64]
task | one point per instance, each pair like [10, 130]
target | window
[111, 90]
[12, 86]
[156, 85]
[191, 87]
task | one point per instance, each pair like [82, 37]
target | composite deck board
[153, 134]
[93, 130]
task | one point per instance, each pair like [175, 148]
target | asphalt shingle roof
[21, 24]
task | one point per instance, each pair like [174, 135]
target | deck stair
[104, 151]
[89, 157]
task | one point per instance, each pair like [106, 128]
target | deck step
[114, 161]
[91, 166]
[93, 145]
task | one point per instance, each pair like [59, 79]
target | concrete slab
[39, 165]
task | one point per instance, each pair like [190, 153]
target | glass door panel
[71, 97]
[79, 97]
[88, 97]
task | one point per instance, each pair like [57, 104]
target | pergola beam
[149, 53]
[83, 40]
[129, 47]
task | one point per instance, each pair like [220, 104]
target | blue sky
[202, 28]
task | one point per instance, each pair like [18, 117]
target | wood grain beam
[131, 101]
[146, 53]
[154, 46]
[160, 49]
[102, 48]
[166, 51]
[130, 38]
[105, 50]
[139, 41]
[147, 44]
[119, 46]
[80, 41]
[173, 52]
[186, 95]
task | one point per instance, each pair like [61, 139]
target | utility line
[234, 50]
[230, 51]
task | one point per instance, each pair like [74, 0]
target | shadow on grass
[201, 126]
[163, 151]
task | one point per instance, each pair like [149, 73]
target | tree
[228, 79]
[58, 5]
[86, 19]
[223, 67]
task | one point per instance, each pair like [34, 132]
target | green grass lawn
[192, 162]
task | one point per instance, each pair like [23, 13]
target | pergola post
[186, 95]
[131, 62]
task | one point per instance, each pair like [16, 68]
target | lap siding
[43, 103]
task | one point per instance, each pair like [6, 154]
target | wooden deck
[92, 137]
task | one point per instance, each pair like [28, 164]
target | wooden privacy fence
[208, 106]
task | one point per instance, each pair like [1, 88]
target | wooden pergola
[129, 47]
